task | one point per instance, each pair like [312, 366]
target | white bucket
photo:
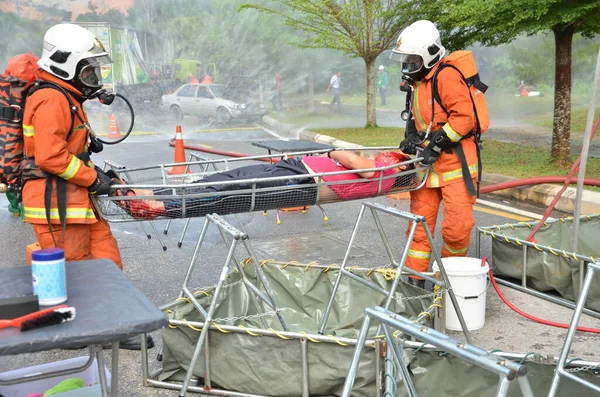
[469, 283]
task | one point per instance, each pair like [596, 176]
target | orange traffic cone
[113, 128]
[179, 154]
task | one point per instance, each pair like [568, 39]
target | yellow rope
[202, 292]
[278, 334]
[191, 326]
[266, 261]
[429, 314]
[309, 338]
[289, 263]
[332, 266]
[219, 328]
[552, 251]
[184, 299]
[336, 340]
[307, 268]
[248, 331]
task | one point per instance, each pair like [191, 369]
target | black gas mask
[88, 79]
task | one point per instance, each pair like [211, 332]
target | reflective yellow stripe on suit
[419, 254]
[72, 213]
[456, 251]
[72, 169]
[435, 179]
[28, 130]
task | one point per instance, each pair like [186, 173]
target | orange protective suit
[207, 79]
[46, 124]
[446, 181]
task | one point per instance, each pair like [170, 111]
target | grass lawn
[530, 110]
[515, 160]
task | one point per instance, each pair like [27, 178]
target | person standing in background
[207, 79]
[199, 72]
[334, 86]
[382, 83]
[277, 93]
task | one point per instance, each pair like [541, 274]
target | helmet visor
[90, 73]
[409, 63]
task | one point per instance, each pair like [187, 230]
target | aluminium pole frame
[507, 370]
[401, 267]
[235, 236]
[584, 260]
[593, 268]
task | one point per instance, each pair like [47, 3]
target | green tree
[363, 29]
[494, 22]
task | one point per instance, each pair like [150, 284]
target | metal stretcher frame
[497, 232]
[256, 198]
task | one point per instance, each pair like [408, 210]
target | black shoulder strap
[472, 81]
[41, 84]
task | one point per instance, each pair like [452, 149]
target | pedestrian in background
[334, 86]
[277, 93]
[382, 83]
[207, 79]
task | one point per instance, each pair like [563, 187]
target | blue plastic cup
[49, 276]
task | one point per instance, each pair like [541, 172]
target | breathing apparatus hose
[125, 135]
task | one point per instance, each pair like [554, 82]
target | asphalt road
[303, 237]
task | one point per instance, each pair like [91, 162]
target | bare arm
[353, 162]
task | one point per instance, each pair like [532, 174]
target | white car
[208, 100]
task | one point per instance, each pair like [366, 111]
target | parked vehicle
[211, 100]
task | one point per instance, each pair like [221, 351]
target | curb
[542, 194]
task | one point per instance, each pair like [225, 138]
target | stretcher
[180, 196]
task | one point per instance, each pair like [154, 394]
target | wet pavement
[303, 237]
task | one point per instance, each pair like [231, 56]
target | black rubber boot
[416, 282]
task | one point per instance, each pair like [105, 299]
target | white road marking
[273, 133]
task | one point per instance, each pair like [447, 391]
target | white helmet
[381, 67]
[73, 53]
[418, 46]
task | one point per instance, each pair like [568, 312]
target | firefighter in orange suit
[450, 146]
[55, 135]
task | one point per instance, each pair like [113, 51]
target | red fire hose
[529, 316]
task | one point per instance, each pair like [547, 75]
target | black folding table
[109, 309]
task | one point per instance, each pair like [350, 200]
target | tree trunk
[311, 92]
[371, 114]
[561, 134]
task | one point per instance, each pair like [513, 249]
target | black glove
[408, 147]
[439, 142]
[110, 173]
[95, 145]
[101, 185]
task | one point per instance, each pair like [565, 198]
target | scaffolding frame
[593, 268]
[506, 370]
[400, 267]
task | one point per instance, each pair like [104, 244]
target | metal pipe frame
[231, 237]
[593, 268]
[400, 267]
[150, 379]
[526, 245]
[505, 369]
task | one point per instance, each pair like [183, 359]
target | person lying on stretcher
[332, 187]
